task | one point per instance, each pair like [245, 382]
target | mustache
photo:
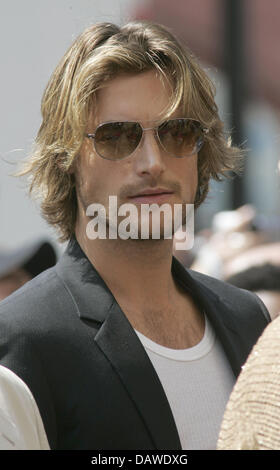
[129, 189]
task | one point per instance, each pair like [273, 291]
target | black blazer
[66, 337]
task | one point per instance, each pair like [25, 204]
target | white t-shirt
[197, 382]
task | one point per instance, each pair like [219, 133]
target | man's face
[141, 98]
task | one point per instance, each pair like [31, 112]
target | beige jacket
[252, 417]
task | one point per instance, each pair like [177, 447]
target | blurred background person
[234, 251]
[234, 242]
[19, 266]
[254, 256]
[264, 280]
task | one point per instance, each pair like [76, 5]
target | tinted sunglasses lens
[117, 140]
[181, 137]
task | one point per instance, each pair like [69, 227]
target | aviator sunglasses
[180, 137]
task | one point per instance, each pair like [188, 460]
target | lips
[152, 195]
[152, 192]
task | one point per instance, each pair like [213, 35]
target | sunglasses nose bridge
[148, 156]
[155, 132]
[154, 129]
[149, 128]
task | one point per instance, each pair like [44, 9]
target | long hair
[99, 54]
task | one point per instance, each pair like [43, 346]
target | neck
[138, 273]
[139, 270]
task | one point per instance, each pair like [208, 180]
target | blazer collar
[221, 314]
[88, 288]
[117, 339]
[120, 344]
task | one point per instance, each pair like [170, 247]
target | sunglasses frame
[204, 130]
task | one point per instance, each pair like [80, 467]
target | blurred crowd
[241, 248]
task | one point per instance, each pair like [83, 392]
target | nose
[149, 158]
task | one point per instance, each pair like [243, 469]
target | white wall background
[34, 35]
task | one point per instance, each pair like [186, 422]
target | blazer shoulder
[41, 297]
[233, 296]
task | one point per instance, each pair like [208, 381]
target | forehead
[139, 97]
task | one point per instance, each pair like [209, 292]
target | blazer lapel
[118, 341]
[120, 344]
[222, 316]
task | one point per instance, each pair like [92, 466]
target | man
[118, 346]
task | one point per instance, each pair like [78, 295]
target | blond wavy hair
[100, 53]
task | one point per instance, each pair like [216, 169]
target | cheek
[99, 178]
[88, 171]
[187, 173]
